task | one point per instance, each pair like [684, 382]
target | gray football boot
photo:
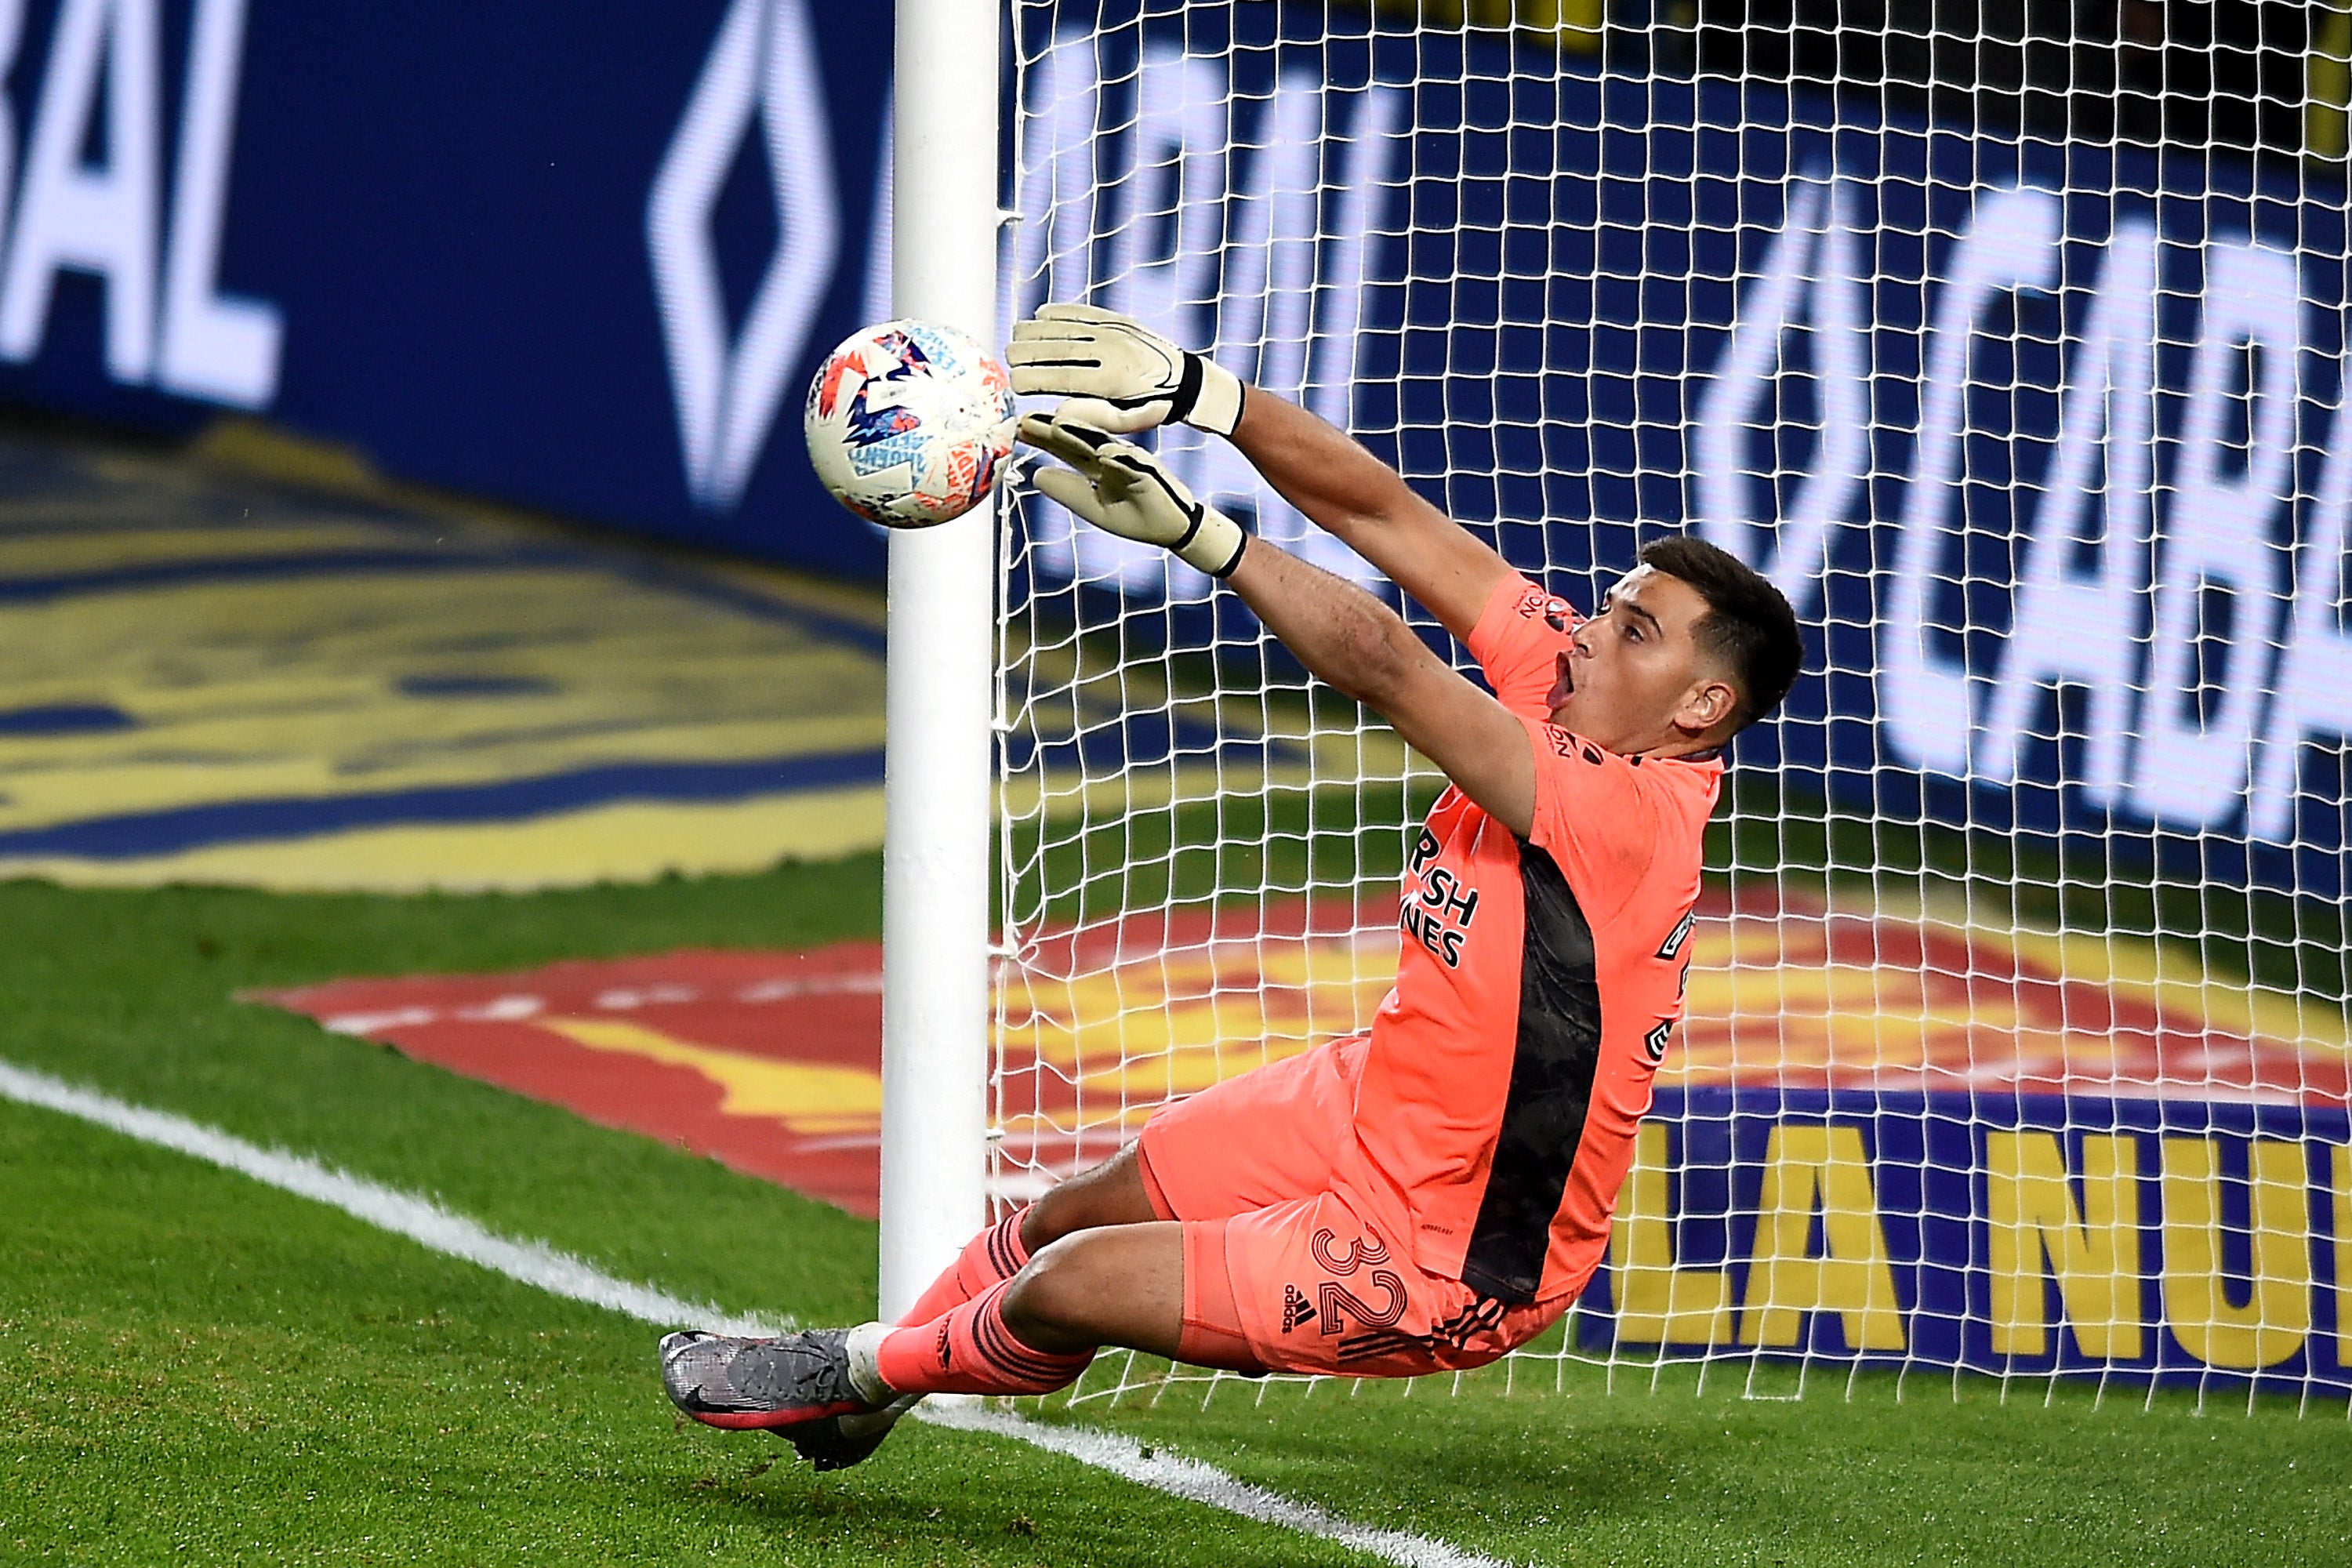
[764, 1384]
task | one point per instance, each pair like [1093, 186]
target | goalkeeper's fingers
[1058, 311]
[1072, 490]
[1028, 335]
[1073, 441]
[1061, 367]
[1109, 416]
[1031, 347]
[1058, 373]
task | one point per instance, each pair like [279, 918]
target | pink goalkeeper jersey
[1540, 977]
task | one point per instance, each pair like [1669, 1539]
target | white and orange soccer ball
[908, 424]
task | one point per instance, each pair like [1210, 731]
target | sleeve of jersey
[1517, 642]
[1593, 817]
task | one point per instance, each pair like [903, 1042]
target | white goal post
[938, 766]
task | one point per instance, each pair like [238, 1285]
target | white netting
[2015, 1038]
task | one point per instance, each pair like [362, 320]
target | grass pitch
[195, 1368]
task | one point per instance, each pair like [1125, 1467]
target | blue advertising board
[2024, 1235]
[579, 258]
[2035, 435]
[588, 263]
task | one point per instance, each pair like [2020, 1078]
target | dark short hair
[1749, 625]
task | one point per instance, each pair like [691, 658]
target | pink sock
[971, 1351]
[993, 1257]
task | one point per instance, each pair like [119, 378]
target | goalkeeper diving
[1424, 1196]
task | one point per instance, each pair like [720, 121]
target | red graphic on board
[1786, 989]
[771, 1061]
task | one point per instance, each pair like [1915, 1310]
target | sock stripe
[988, 1343]
[972, 1350]
[1038, 1377]
[1004, 1246]
[997, 1344]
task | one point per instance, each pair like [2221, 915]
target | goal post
[939, 684]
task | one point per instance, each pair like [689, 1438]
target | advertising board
[578, 262]
[2017, 1234]
[2040, 436]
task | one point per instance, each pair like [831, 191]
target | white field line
[419, 1219]
[559, 1273]
[1197, 1482]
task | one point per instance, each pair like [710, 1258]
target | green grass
[195, 1368]
[133, 993]
[1734, 1468]
[199, 1369]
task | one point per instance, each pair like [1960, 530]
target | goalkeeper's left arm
[1340, 633]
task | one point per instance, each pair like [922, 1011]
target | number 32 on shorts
[1333, 1298]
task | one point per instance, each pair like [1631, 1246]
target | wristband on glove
[1209, 397]
[1121, 488]
[1214, 543]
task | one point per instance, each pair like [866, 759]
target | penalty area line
[535, 1263]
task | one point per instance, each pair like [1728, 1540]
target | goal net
[2015, 1038]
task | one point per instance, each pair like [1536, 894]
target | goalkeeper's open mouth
[1563, 686]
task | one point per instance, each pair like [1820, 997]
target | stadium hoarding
[583, 264]
[2036, 435]
[1924, 1140]
[589, 268]
[2182, 1211]
[2012, 1233]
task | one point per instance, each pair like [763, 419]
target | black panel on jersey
[1551, 1088]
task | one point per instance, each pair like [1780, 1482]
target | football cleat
[762, 1383]
[838, 1442]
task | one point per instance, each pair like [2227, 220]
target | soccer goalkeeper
[1423, 1197]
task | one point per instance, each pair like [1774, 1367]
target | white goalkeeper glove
[1121, 488]
[1121, 375]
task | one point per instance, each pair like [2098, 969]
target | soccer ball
[908, 424]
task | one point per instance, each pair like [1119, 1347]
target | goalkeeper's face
[1636, 680]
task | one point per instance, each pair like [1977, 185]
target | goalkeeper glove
[1121, 488]
[1123, 376]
